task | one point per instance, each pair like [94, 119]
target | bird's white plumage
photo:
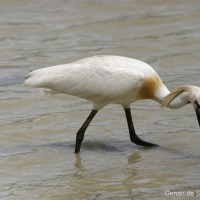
[101, 79]
[110, 79]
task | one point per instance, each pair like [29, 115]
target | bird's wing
[91, 81]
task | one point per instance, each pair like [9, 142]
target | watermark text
[188, 193]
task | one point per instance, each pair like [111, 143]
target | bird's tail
[45, 78]
[34, 79]
[40, 78]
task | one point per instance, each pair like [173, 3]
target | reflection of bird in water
[112, 79]
[78, 163]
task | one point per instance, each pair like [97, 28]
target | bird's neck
[180, 101]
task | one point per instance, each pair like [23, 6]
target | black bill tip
[198, 114]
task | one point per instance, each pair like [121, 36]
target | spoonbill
[112, 79]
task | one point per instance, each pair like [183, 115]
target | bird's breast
[149, 87]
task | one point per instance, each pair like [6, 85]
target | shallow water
[37, 132]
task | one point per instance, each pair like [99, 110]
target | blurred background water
[37, 132]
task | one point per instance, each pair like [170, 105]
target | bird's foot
[77, 148]
[143, 143]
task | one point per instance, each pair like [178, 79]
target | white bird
[112, 79]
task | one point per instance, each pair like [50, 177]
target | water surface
[37, 132]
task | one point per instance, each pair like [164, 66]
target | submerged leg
[133, 137]
[81, 131]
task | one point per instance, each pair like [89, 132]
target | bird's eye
[196, 103]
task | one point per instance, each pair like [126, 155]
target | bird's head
[182, 96]
[194, 97]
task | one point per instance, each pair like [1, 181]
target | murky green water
[37, 132]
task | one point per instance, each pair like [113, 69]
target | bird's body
[110, 79]
[102, 80]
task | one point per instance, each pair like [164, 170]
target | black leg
[133, 137]
[80, 133]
